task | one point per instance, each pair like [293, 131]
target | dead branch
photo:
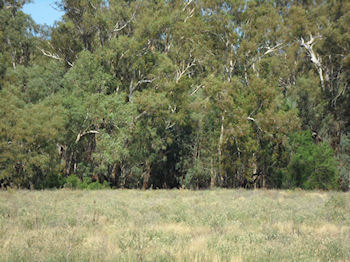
[84, 133]
[258, 126]
[187, 4]
[181, 72]
[315, 59]
[49, 54]
[273, 49]
[132, 86]
[54, 56]
[118, 28]
[195, 91]
[94, 7]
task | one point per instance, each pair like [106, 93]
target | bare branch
[144, 81]
[183, 70]
[273, 49]
[172, 109]
[189, 15]
[187, 4]
[257, 58]
[132, 86]
[140, 115]
[84, 133]
[315, 59]
[252, 119]
[258, 126]
[69, 63]
[49, 54]
[54, 56]
[118, 28]
[342, 92]
[94, 7]
[197, 88]
[169, 125]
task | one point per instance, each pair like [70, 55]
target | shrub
[72, 181]
[312, 166]
[344, 162]
[197, 176]
[53, 181]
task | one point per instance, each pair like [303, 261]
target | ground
[174, 225]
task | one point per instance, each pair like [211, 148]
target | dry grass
[175, 225]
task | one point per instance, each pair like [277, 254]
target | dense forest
[170, 94]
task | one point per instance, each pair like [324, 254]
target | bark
[114, 174]
[122, 176]
[118, 27]
[133, 87]
[263, 180]
[212, 172]
[54, 56]
[84, 133]
[184, 68]
[221, 139]
[315, 59]
[147, 176]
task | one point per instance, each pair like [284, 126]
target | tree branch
[54, 56]
[315, 59]
[272, 49]
[258, 126]
[195, 91]
[118, 28]
[180, 73]
[84, 133]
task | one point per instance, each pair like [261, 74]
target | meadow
[174, 225]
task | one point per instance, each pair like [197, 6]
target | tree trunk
[114, 174]
[220, 149]
[122, 176]
[212, 177]
[146, 177]
[315, 59]
[263, 180]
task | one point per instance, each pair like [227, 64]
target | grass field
[175, 225]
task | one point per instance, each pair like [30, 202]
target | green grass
[175, 225]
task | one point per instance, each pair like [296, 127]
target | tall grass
[175, 225]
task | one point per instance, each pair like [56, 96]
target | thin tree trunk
[212, 177]
[315, 59]
[220, 148]
[122, 176]
[263, 180]
[147, 176]
[114, 174]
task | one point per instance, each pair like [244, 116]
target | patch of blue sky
[43, 11]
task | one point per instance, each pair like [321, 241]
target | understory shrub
[312, 165]
[74, 182]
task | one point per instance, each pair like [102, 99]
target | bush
[344, 162]
[53, 181]
[312, 166]
[74, 182]
[197, 176]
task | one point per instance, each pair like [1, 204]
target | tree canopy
[164, 94]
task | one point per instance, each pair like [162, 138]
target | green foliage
[344, 162]
[312, 166]
[74, 182]
[197, 176]
[168, 94]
